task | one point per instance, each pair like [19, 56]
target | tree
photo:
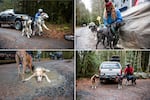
[82, 14]
[97, 9]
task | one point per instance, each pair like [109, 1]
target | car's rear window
[110, 66]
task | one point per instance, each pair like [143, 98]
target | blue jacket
[37, 15]
[109, 20]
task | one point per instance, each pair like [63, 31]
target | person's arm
[125, 71]
[119, 17]
[37, 15]
[105, 21]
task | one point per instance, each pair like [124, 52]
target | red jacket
[129, 70]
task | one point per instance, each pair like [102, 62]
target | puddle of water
[55, 77]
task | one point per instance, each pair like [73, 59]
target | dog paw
[49, 81]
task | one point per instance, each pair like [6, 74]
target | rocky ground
[109, 90]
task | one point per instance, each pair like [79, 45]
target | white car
[109, 70]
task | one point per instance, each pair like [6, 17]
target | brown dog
[93, 80]
[24, 59]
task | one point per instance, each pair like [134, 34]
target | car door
[3, 18]
[10, 18]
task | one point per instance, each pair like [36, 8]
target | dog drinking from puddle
[93, 80]
[39, 73]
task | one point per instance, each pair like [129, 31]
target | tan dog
[39, 73]
[24, 59]
[93, 80]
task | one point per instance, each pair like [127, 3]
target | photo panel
[37, 24]
[112, 24]
[104, 75]
[36, 75]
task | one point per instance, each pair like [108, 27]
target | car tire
[18, 25]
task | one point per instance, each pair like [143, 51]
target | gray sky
[87, 4]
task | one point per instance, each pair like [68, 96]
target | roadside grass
[58, 31]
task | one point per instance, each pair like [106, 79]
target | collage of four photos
[74, 49]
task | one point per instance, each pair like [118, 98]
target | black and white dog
[39, 23]
[26, 29]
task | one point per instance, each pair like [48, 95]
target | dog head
[44, 15]
[40, 73]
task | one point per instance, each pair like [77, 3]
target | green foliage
[97, 9]
[6, 4]
[82, 14]
[68, 54]
[86, 63]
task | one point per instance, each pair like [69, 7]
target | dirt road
[85, 39]
[12, 39]
[109, 91]
[60, 88]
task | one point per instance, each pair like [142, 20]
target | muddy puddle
[60, 88]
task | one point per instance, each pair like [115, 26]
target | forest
[83, 15]
[88, 62]
[59, 11]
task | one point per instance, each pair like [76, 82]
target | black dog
[132, 78]
[109, 35]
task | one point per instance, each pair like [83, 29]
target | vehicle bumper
[108, 77]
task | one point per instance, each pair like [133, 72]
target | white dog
[26, 23]
[40, 23]
[39, 74]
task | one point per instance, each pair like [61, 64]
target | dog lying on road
[39, 73]
[23, 59]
